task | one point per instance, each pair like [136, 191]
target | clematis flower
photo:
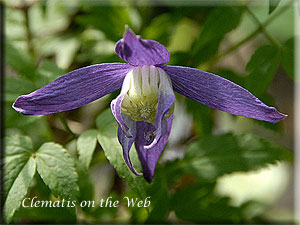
[144, 108]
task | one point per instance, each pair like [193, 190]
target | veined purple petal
[74, 89]
[126, 142]
[145, 135]
[219, 93]
[139, 52]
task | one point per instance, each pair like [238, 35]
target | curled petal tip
[16, 106]
[128, 32]
[277, 116]
[149, 179]
[133, 170]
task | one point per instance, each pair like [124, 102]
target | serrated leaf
[262, 68]
[86, 145]
[273, 5]
[20, 61]
[288, 57]
[19, 170]
[19, 189]
[215, 156]
[18, 144]
[56, 168]
[17, 152]
[107, 138]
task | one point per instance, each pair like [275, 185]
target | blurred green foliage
[76, 155]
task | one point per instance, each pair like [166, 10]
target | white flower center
[145, 83]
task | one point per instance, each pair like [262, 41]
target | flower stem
[65, 124]
[263, 30]
[28, 32]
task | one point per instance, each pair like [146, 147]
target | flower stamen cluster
[144, 84]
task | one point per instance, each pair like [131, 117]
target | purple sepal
[219, 93]
[145, 136]
[126, 142]
[139, 52]
[116, 106]
[74, 89]
[165, 101]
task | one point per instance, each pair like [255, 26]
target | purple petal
[140, 52]
[145, 136]
[116, 111]
[165, 101]
[127, 142]
[74, 89]
[116, 105]
[219, 93]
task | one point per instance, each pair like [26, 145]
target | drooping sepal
[126, 142]
[145, 136]
[144, 112]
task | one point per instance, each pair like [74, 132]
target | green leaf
[215, 156]
[202, 117]
[48, 71]
[179, 40]
[273, 5]
[86, 145]
[219, 22]
[66, 51]
[28, 125]
[86, 188]
[107, 137]
[160, 199]
[47, 215]
[109, 19]
[16, 86]
[21, 62]
[18, 144]
[17, 152]
[19, 171]
[198, 203]
[288, 57]
[56, 168]
[19, 189]
[262, 68]
[159, 26]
